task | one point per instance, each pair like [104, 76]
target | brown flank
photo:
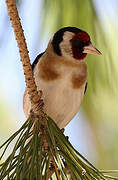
[78, 81]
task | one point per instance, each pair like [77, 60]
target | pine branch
[18, 31]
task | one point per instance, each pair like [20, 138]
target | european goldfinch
[61, 74]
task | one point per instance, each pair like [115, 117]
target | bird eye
[75, 43]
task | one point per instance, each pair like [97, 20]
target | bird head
[73, 42]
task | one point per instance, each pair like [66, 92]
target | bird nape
[61, 74]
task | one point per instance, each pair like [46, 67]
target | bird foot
[40, 93]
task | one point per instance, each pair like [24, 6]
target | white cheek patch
[65, 45]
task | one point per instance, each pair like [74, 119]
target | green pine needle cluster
[42, 153]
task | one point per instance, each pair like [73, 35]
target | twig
[30, 83]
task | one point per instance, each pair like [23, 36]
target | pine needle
[31, 159]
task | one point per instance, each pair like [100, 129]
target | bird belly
[64, 106]
[61, 101]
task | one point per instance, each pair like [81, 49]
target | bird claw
[40, 93]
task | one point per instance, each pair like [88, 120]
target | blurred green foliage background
[95, 130]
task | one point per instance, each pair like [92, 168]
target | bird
[61, 74]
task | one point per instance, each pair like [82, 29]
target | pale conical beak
[90, 49]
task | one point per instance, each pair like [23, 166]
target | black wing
[85, 87]
[36, 60]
